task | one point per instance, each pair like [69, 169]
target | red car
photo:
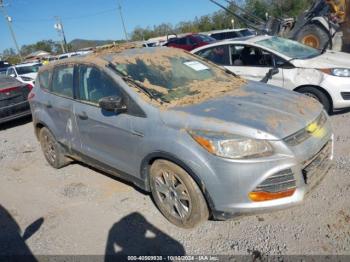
[190, 42]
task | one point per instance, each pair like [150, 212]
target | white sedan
[324, 76]
[25, 73]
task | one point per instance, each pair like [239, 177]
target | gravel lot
[83, 211]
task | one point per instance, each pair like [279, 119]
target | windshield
[173, 75]
[21, 70]
[289, 48]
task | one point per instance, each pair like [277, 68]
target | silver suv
[204, 142]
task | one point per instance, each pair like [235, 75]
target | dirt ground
[79, 211]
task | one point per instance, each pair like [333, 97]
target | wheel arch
[318, 88]
[37, 127]
[161, 155]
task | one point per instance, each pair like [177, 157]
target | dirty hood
[256, 109]
[330, 59]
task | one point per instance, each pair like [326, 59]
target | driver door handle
[83, 116]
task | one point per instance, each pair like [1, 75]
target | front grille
[279, 182]
[318, 164]
[345, 95]
[303, 134]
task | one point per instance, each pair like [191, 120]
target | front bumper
[308, 161]
[337, 87]
[14, 111]
[312, 172]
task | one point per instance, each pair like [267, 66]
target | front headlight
[232, 146]
[340, 72]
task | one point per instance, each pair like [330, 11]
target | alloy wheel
[173, 194]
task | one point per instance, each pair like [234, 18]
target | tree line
[223, 20]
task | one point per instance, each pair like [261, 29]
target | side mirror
[269, 74]
[274, 71]
[113, 104]
[12, 75]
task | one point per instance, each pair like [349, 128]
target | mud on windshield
[175, 77]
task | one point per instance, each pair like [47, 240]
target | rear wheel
[318, 95]
[52, 150]
[177, 195]
[314, 36]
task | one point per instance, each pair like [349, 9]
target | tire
[313, 35]
[318, 95]
[177, 195]
[53, 151]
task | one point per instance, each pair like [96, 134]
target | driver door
[253, 63]
[105, 136]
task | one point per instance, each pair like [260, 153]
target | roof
[248, 39]
[104, 57]
[27, 64]
[225, 30]
[38, 53]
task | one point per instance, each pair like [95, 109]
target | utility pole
[59, 27]
[122, 18]
[9, 23]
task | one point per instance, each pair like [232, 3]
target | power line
[122, 18]
[60, 30]
[9, 21]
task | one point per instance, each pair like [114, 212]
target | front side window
[244, 55]
[217, 54]
[62, 81]
[94, 85]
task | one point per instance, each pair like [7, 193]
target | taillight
[9, 89]
[30, 87]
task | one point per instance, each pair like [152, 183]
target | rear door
[106, 136]
[58, 104]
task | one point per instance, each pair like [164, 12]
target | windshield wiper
[137, 84]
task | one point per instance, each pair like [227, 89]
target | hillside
[83, 43]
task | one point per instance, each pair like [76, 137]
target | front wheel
[177, 195]
[318, 95]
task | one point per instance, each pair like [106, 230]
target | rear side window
[62, 81]
[217, 54]
[44, 80]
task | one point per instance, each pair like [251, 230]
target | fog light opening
[266, 196]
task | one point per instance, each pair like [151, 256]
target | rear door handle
[83, 116]
[48, 105]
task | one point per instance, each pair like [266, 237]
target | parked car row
[204, 142]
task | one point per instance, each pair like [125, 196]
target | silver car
[204, 142]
